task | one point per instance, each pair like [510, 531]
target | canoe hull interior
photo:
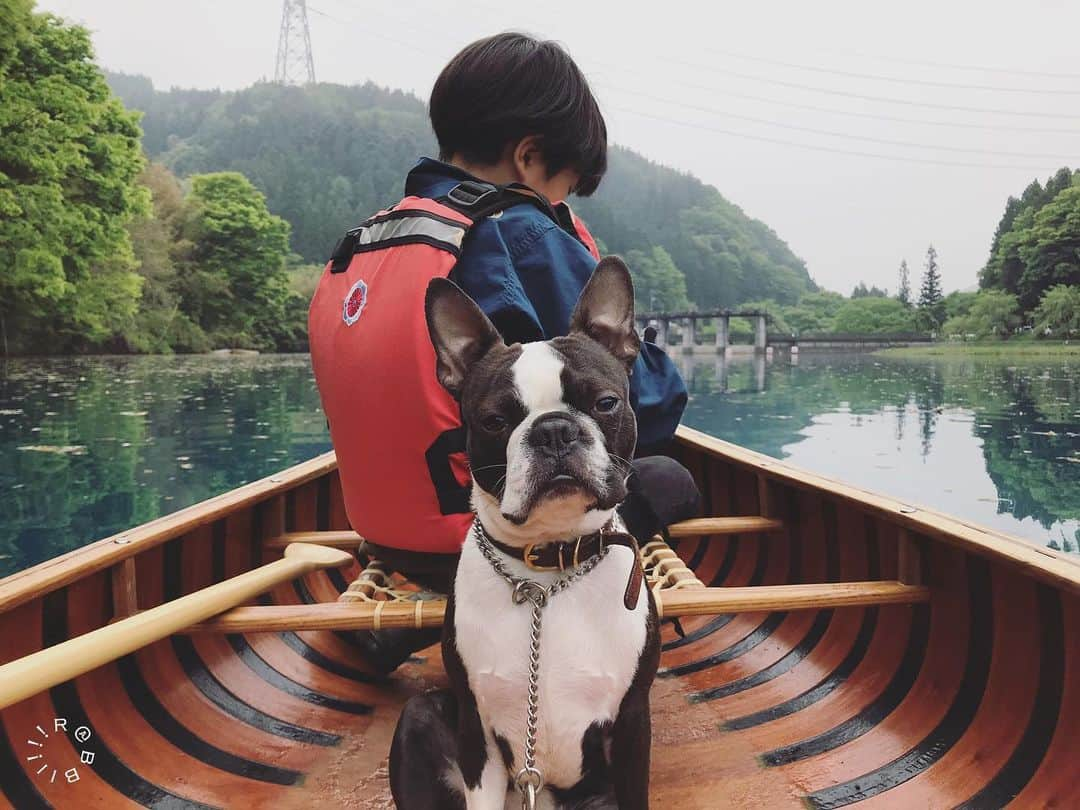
[969, 700]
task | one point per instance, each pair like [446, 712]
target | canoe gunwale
[1043, 564]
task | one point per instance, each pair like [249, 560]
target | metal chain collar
[529, 780]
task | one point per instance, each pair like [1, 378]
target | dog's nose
[553, 434]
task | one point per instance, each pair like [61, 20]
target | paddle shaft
[42, 670]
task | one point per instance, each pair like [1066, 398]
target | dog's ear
[605, 311]
[460, 332]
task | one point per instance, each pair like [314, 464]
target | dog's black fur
[444, 728]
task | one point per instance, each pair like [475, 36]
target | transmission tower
[294, 63]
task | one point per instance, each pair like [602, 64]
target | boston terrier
[549, 435]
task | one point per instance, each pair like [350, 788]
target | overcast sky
[840, 123]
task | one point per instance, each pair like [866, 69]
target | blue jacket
[526, 273]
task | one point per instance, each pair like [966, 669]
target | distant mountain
[327, 156]
[726, 256]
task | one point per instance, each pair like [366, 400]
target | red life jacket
[397, 432]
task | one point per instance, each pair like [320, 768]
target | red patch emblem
[355, 302]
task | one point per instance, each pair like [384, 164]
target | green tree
[776, 324]
[903, 294]
[992, 312]
[1058, 311]
[1050, 248]
[233, 280]
[303, 279]
[658, 284]
[1006, 267]
[814, 313]
[931, 306]
[1031, 199]
[997, 311]
[872, 316]
[958, 303]
[15, 15]
[69, 159]
[161, 325]
[862, 291]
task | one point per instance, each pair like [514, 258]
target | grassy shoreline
[1000, 348]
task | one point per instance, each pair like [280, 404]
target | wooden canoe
[834, 647]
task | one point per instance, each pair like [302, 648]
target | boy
[508, 111]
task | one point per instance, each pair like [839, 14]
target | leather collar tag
[637, 574]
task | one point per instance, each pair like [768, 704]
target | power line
[751, 77]
[816, 148]
[834, 133]
[956, 66]
[369, 31]
[844, 93]
[893, 118]
[767, 122]
[894, 79]
[400, 22]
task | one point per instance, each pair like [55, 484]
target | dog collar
[569, 554]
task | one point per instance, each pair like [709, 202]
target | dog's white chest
[590, 646]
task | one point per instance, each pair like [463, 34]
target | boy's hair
[503, 88]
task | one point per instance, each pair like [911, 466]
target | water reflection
[711, 375]
[997, 442]
[92, 446]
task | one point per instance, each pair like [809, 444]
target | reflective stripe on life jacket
[397, 432]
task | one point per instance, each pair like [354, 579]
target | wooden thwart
[672, 602]
[751, 599]
[742, 524]
[345, 539]
[23, 677]
[712, 526]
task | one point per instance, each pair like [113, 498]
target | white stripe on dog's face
[538, 378]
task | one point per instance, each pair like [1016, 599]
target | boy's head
[516, 101]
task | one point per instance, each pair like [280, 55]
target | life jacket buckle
[343, 251]
[469, 193]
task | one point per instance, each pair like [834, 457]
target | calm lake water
[92, 446]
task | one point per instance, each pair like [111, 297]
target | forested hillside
[727, 257]
[326, 156]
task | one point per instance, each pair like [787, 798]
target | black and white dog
[550, 430]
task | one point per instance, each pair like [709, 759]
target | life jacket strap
[400, 226]
[478, 200]
[472, 199]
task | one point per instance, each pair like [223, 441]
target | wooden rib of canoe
[833, 647]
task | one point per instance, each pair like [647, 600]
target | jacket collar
[432, 178]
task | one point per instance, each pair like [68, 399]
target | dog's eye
[493, 423]
[607, 404]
